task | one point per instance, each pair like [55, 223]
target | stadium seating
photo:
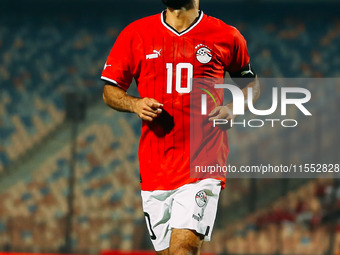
[41, 61]
[106, 150]
[39, 67]
[292, 225]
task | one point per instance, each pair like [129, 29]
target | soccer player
[165, 53]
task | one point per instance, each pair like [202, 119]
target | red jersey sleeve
[240, 57]
[120, 67]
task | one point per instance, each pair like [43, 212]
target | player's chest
[203, 55]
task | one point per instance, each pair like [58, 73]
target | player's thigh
[164, 252]
[157, 207]
[195, 206]
[185, 241]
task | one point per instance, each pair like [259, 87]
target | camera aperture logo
[239, 104]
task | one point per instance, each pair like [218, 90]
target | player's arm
[119, 70]
[245, 79]
[255, 85]
[227, 110]
[243, 75]
[146, 108]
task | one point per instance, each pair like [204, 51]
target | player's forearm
[255, 85]
[118, 99]
[146, 108]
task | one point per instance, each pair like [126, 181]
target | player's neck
[181, 19]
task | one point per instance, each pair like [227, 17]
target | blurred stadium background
[51, 50]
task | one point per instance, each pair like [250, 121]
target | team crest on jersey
[203, 54]
[201, 198]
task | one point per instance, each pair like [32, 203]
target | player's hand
[222, 112]
[148, 108]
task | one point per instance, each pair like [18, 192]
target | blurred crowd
[302, 222]
[41, 61]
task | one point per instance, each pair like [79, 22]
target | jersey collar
[200, 17]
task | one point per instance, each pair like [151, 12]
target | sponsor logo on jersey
[203, 54]
[154, 55]
[201, 198]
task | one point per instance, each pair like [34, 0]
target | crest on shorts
[203, 54]
[201, 198]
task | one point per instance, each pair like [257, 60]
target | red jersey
[163, 63]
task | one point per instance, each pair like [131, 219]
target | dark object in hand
[162, 125]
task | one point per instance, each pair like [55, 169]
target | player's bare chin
[184, 242]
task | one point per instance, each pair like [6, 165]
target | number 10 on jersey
[179, 68]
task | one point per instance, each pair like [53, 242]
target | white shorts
[192, 206]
